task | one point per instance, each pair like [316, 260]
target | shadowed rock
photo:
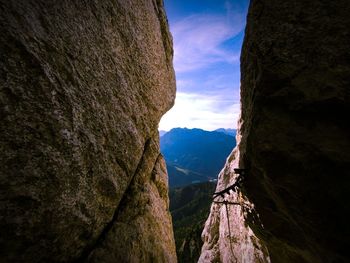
[295, 76]
[295, 131]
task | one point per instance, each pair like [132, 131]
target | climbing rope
[229, 232]
[234, 187]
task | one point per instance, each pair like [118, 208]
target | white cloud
[208, 112]
[206, 62]
[198, 40]
[185, 84]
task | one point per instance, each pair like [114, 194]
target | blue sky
[207, 37]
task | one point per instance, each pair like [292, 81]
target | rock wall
[83, 87]
[226, 236]
[295, 145]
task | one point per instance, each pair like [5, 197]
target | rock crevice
[102, 236]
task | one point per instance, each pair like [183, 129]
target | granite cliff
[83, 87]
[293, 139]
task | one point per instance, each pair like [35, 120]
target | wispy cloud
[208, 112]
[207, 50]
[199, 40]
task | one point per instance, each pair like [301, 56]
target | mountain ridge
[195, 155]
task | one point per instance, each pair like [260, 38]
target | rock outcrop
[295, 145]
[83, 87]
[226, 236]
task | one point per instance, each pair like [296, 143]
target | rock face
[226, 236]
[295, 130]
[83, 87]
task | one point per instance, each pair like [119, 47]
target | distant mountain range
[189, 207]
[231, 132]
[161, 133]
[195, 155]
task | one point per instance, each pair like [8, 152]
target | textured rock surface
[295, 110]
[83, 87]
[295, 130]
[226, 237]
[142, 223]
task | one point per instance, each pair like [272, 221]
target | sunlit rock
[226, 236]
[83, 85]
